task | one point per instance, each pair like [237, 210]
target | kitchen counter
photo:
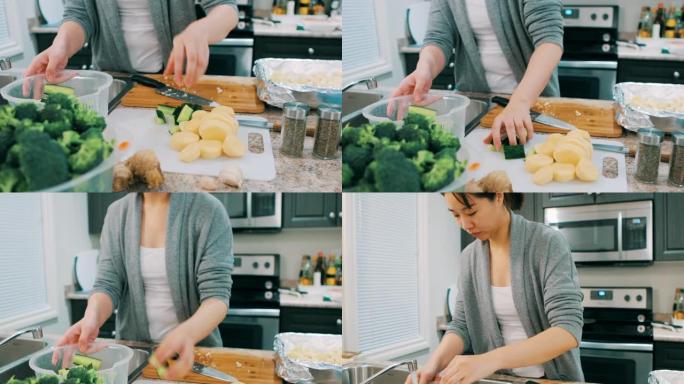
[652, 51]
[290, 30]
[660, 334]
[313, 300]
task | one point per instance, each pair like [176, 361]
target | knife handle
[147, 81]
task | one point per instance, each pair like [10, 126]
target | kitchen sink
[353, 101]
[19, 371]
[18, 348]
[357, 375]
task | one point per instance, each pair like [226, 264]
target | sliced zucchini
[514, 152]
[49, 89]
[185, 113]
[86, 361]
[427, 112]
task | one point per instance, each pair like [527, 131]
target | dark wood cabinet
[668, 355]
[297, 48]
[650, 71]
[311, 320]
[669, 227]
[310, 210]
[446, 80]
[97, 209]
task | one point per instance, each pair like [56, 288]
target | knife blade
[203, 370]
[539, 117]
[175, 93]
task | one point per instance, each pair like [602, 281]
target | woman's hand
[176, 343]
[83, 333]
[515, 120]
[190, 51]
[417, 84]
[468, 369]
[426, 374]
[52, 63]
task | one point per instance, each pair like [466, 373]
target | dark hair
[512, 201]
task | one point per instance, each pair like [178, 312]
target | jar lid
[330, 112]
[678, 137]
[295, 110]
[650, 136]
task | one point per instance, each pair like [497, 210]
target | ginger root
[142, 166]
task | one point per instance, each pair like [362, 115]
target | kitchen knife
[175, 93]
[203, 370]
[539, 117]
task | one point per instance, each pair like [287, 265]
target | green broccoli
[83, 375]
[411, 148]
[86, 118]
[347, 175]
[409, 132]
[27, 125]
[362, 187]
[424, 161]
[48, 379]
[357, 158]
[418, 120]
[6, 142]
[28, 111]
[440, 139]
[9, 179]
[449, 152]
[386, 129]
[89, 155]
[92, 133]
[369, 175]
[42, 161]
[55, 112]
[70, 141]
[12, 380]
[350, 135]
[395, 173]
[12, 159]
[56, 128]
[367, 137]
[441, 175]
[62, 99]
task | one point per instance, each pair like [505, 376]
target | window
[364, 50]
[10, 44]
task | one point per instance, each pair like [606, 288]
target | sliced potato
[544, 149]
[536, 161]
[586, 147]
[544, 175]
[554, 138]
[231, 122]
[586, 170]
[212, 129]
[224, 110]
[180, 140]
[190, 126]
[191, 153]
[563, 172]
[568, 153]
[210, 149]
[233, 147]
[199, 115]
[581, 134]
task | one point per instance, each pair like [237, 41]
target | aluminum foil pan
[665, 377]
[648, 105]
[302, 357]
[312, 82]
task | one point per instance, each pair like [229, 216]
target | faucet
[5, 64]
[370, 82]
[36, 332]
[411, 364]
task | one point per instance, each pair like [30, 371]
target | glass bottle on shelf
[331, 271]
[646, 23]
[306, 271]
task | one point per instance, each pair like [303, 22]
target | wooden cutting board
[248, 366]
[595, 116]
[238, 93]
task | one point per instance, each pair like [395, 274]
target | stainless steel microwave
[254, 211]
[620, 233]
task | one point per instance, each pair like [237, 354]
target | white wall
[27, 10]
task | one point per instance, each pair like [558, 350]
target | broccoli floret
[42, 161]
[440, 139]
[350, 135]
[418, 120]
[411, 148]
[424, 161]
[362, 187]
[441, 174]
[367, 137]
[27, 125]
[9, 179]
[48, 379]
[386, 129]
[62, 99]
[449, 152]
[6, 142]
[357, 158]
[395, 173]
[386, 143]
[55, 112]
[27, 111]
[86, 118]
[409, 132]
[56, 128]
[12, 380]
[12, 159]
[71, 381]
[89, 155]
[347, 175]
[70, 141]
[92, 133]
[369, 175]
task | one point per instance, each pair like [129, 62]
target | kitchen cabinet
[651, 71]
[311, 320]
[97, 209]
[297, 48]
[81, 60]
[668, 355]
[77, 308]
[669, 221]
[309, 210]
[550, 200]
[446, 79]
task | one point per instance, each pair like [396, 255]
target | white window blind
[4, 25]
[386, 270]
[362, 49]
[23, 287]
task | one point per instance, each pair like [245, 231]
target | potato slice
[212, 129]
[233, 147]
[586, 147]
[199, 115]
[544, 175]
[544, 149]
[563, 172]
[581, 134]
[554, 139]
[230, 121]
[568, 153]
[536, 161]
[210, 149]
[586, 170]
[191, 153]
[224, 110]
[180, 140]
[190, 126]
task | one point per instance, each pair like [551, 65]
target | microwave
[253, 211]
[620, 233]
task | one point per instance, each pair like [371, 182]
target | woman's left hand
[467, 369]
[176, 343]
[190, 52]
[517, 123]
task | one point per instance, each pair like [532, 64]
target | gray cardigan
[102, 25]
[546, 293]
[519, 25]
[199, 260]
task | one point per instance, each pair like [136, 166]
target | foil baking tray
[303, 357]
[312, 82]
[650, 105]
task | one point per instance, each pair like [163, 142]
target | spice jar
[676, 175]
[648, 155]
[294, 129]
[327, 132]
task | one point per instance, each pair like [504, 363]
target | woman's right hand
[82, 333]
[52, 63]
[417, 84]
[426, 375]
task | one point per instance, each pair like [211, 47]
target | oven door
[616, 363]
[231, 57]
[587, 79]
[250, 328]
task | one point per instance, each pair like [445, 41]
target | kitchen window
[10, 44]
[365, 41]
[385, 275]
[26, 256]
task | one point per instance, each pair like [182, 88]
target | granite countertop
[660, 334]
[290, 30]
[652, 51]
[313, 299]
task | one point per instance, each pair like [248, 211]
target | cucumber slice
[185, 113]
[427, 112]
[49, 89]
[86, 361]
[514, 152]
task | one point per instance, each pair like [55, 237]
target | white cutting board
[145, 134]
[522, 180]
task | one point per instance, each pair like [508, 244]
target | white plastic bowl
[114, 357]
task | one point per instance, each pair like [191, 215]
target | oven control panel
[256, 265]
[619, 298]
[590, 16]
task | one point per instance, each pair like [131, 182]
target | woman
[165, 264]
[137, 36]
[519, 305]
[502, 46]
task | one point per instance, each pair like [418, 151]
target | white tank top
[140, 35]
[498, 72]
[511, 327]
[161, 313]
